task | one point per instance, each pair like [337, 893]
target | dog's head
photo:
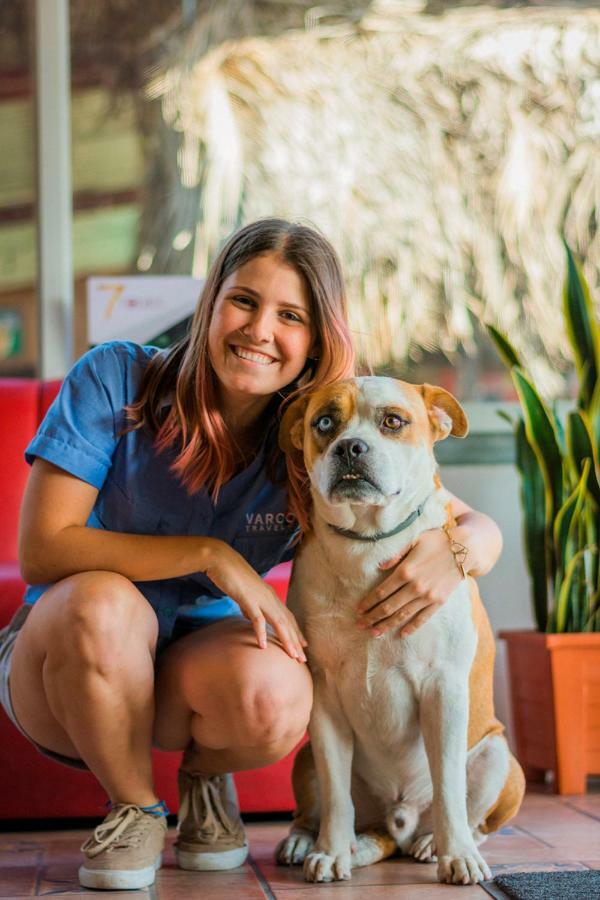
[369, 439]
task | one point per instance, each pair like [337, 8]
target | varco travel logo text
[271, 522]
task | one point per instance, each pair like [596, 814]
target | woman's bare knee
[275, 705]
[105, 618]
[219, 688]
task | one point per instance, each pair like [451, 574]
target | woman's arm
[479, 534]
[426, 574]
[54, 543]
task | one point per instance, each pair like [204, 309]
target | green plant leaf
[582, 329]
[559, 429]
[581, 447]
[534, 524]
[593, 613]
[506, 351]
[594, 414]
[502, 414]
[541, 434]
[562, 604]
[567, 521]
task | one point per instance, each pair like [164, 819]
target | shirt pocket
[116, 511]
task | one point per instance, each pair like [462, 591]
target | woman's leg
[230, 706]
[227, 703]
[82, 680]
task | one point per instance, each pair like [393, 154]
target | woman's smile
[254, 357]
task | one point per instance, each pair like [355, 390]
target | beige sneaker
[211, 834]
[125, 850]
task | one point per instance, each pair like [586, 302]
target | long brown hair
[184, 375]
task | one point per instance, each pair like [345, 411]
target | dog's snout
[351, 448]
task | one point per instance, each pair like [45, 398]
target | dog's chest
[378, 680]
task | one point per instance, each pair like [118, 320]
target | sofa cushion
[49, 390]
[19, 406]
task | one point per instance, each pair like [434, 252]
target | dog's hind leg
[301, 839]
[495, 786]
[509, 800]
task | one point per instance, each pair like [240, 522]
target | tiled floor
[550, 832]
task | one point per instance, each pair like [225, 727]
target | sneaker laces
[204, 801]
[115, 832]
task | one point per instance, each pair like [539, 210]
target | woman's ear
[291, 429]
[446, 415]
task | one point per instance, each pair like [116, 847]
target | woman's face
[261, 330]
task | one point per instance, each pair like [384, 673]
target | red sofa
[32, 786]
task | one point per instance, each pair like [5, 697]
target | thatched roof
[442, 155]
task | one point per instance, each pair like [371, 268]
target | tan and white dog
[405, 750]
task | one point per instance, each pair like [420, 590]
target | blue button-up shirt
[139, 494]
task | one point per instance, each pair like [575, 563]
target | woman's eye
[324, 424]
[292, 317]
[393, 423]
[243, 301]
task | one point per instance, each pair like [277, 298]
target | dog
[405, 752]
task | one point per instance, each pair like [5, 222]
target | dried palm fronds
[443, 156]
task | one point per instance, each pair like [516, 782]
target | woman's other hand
[423, 577]
[426, 573]
[257, 599]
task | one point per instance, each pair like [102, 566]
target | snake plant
[559, 472]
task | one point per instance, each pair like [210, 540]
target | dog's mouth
[353, 484]
[353, 477]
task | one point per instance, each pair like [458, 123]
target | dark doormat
[550, 885]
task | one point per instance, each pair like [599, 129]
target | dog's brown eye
[393, 423]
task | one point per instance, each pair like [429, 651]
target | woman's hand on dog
[422, 579]
[256, 599]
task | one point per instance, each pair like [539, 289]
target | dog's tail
[401, 822]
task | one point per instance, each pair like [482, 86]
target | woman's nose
[259, 327]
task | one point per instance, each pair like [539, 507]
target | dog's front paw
[292, 850]
[463, 867]
[423, 848]
[319, 866]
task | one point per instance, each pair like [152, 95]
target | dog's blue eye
[324, 424]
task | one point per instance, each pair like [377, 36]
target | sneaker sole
[119, 879]
[211, 862]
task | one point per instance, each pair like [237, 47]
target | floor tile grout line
[266, 888]
[582, 811]
[536, 838]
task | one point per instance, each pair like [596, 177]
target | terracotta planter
[555, 692]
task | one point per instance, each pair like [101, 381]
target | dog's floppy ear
[446, 415]
[291, 429]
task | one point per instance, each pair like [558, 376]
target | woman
[157, 493]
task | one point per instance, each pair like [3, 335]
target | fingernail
[377, 633]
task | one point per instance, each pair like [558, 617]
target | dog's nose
[351, 448]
